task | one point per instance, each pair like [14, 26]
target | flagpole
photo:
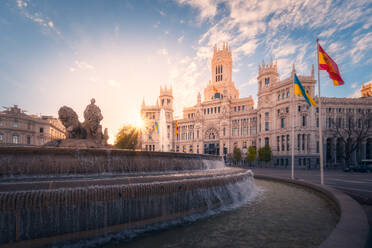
[293, 126]
[320, 120]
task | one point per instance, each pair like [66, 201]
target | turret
[267, 74]
[166, 97]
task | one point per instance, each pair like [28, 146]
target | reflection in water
[283, 216]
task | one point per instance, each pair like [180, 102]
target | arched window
[221, 68]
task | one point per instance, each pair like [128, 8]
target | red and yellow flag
[327, 64]
[177, 128]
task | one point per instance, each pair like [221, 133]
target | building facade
[223, 120]
[18, 128]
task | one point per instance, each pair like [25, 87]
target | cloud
[162, 13]
[83, 65]
[180, 39]
[355, 94]
[156, 25]
[37, 17]
[361, 43]
[207, 8]
[354, 85]
[113, 83]
[162, 51]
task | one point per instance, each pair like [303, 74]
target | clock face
[218, 59]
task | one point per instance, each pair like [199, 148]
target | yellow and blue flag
[156, 127]
[300, 91]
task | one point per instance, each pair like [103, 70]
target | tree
[128, 137]
[237, 154]
[251, 155]
[351, 132]
[265, 154]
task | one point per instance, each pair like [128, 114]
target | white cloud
[162, 51]
[21, 4]
[361, 43]
[180, 39]
[83, 65]
[207, 8]
[354, 85]
[113, 83]
[355, 94]
[51, 24]
[162, 13]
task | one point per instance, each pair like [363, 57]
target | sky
[55, 53]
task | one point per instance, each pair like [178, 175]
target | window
[298, 141]
[205, 111]
[278, 111]
[235, 109]
[267, 81]
[208, 111]
[303, 142]
[287, 93]
[219, 109]
[299, 108]
[282, 123]
[224, 131]
[329, 122]
[266, 141]
[317, 147]
[317, 122]
[197, 134]
[28, 140]
[278, 142]
[304, 121]
[278, 97]
[1, 138]
[287, 110]
[287, 142]
[15, 123]
[41, 130]
[243, 107]
[267, 114]
[266, 126]
[317, 110]
[211, 110]
[283, 96]
[283, 144]
[177, 148]
[15, 139]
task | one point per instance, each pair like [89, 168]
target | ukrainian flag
[300, 91]
[156, 127]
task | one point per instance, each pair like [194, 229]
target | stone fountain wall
[50, 195]
[30, 161]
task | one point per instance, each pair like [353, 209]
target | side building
[223, 120]
[18, 128]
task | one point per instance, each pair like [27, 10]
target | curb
[352, 228]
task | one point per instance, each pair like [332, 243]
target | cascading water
[52, 195]
[163, 134]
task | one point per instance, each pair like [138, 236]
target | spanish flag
[177, 128]
[156, 127]
[300, 91]
[327, 64]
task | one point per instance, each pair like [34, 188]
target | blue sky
[56, 53]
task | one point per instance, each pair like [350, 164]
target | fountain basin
[50, 195]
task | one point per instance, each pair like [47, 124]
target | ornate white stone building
[18, 128]
[223, 120]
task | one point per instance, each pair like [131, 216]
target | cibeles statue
[84, 135]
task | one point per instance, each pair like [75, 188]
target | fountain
[163, 135]
[81, 188]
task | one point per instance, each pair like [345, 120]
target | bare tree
[352, 132]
